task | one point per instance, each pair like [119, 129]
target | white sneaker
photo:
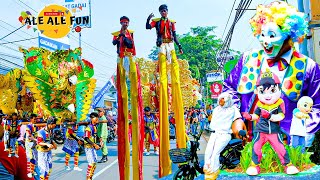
[16, 155]
[77, 169]
[147, 153]
[9, 155]
[29, 175]
[68, 168]
[157, 152]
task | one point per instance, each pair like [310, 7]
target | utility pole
[304, 45]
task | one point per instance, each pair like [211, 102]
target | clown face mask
[272, 39]
[268, 95]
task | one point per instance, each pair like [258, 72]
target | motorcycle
[58, 134]
[188, 159]
[190, 167]
[230, 155]
[111, 133]
[172, 131]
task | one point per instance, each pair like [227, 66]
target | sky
[96, 41]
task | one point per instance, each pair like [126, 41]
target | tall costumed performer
[126, 65]
[166, 35]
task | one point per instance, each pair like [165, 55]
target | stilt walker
[166, 34]
[126, 65]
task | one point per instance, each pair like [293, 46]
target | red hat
[268, 77]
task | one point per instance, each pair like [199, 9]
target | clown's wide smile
[268, 50]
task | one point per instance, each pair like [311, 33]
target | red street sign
[216, 90]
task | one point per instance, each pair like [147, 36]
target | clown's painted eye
[272, 36]
[305, 105]
[262, 35]
[260, 91]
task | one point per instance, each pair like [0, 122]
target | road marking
[104, 169]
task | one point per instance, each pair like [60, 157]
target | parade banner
[53, 44]
[214, 76]
[80, 9]
[100, 94]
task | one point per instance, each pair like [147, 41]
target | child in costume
[151, 136]
[71, 146]
[270, 111]
[13, 128]
[221, 122]
[30, 144]
[90, 136]
[44, 146]
[298, 129]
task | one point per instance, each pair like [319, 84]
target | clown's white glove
[276, 117]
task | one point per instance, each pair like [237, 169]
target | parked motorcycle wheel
[58, 140]
[184, 174]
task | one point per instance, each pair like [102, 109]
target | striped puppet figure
[44, 146]
[90, 145]
[71, 147]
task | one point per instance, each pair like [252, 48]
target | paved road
[109, 170]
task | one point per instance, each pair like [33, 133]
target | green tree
[199, 46]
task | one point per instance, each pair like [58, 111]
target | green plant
[245, 158]
[270, 161]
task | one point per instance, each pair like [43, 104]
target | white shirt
[287, 56]
[222, 119]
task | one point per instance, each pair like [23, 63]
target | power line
[10, 48]
[12, 32]
[11, 62]
[224, 50]
[28, 6]
[18, 41]
[15, 27]
[228, 19]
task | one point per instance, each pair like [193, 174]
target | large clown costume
[277, 26]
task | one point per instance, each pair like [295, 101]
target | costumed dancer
[71, 146]
[298, 130]
[222, 118]
[44, 146]
[126, 64]
[151, 135]
[90, 136]
[277, 26]
[270, 111]
[4, 123]
[30, 144]
[13, 128]
[166, 34]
